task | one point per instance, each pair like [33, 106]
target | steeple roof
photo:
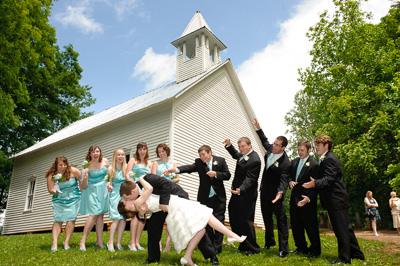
[197, 26]
[196, 23]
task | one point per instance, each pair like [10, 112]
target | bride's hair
[129, 214]
[125, 213]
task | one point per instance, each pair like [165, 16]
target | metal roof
[146, 100]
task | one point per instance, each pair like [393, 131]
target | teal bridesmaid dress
[115, 197]
[93, 201]
[140, 169]
[162, 167]
[66, 204]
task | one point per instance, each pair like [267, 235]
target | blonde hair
[114, 164]
[368, 193]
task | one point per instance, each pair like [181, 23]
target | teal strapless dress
[162, 167]
[93, 200]
[66, 204]
[141, 170]
[115, 197]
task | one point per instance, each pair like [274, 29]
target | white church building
[205, 105]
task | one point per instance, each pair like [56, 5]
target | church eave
[206, 31]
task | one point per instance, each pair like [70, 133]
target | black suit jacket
[219, 166]
[276, 177]
[330, 183]
[246, 173]
[310, 169]
[165, 188]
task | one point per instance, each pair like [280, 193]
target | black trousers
[219, 208]
[348, 247]
[241, 217]
[154, 231]
[305, 219]
[267, 209]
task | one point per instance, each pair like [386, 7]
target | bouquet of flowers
[58, 178]
[133, 175]
[85, 168]
[107, 179]
[170, 176]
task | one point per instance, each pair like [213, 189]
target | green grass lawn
[35, 249]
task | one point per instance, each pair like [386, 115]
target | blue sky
[125, 45]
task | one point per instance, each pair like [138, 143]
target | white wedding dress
[185, 218]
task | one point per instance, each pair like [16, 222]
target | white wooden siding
[152, 128]
[195, 66]
[208, 114]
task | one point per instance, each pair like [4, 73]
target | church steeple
[198, 49]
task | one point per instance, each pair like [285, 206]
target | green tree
[39, 84]
[351, 93]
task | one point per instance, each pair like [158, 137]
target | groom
[164, 188]
[334, 199]
[212, 171]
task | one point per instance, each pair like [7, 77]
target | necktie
[212, 191]
[299, 167]
[270, 159]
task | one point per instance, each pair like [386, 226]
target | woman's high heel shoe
[233, 240]
[185, 262]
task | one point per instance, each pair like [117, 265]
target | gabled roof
[196, 23]
[148, 99]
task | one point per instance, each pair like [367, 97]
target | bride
[186, 219]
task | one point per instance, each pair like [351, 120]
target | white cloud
[124, 7]
[158, 68]
[378, 8]
[79, 17]
[270, 76]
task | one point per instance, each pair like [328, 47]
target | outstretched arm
[148, 189]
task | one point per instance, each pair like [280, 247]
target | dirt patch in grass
[387, 236]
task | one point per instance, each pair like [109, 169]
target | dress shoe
[281, 254]
[297, 251]
[151, 261]
[214, 260]
[338, 261]
[250, 253]
[312, 256]
[185, 262]
[233, 240]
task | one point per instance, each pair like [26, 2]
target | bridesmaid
[94, 197]
[117, 172]
[139, 165]
[65, 203]
[159, 166]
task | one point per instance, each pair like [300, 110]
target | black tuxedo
[165, 188]
[305, 218]
[216, 202]
[242, 207]
[333, 196]
[274, 179]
